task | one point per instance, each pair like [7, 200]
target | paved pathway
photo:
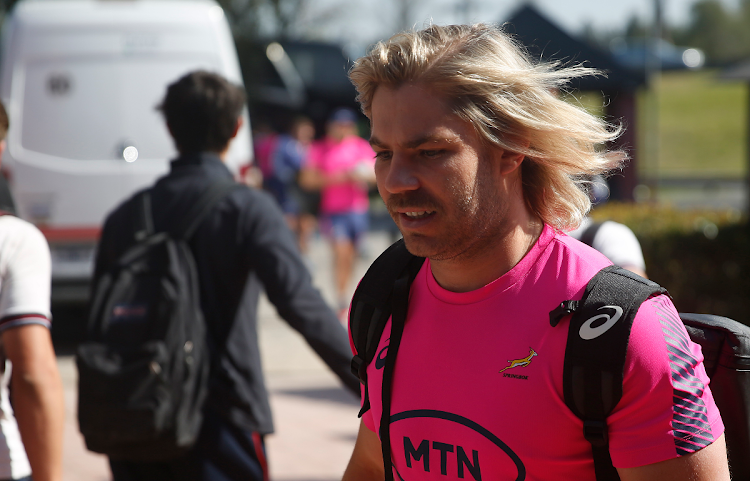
[316, 419]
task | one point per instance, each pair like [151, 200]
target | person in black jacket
[242, 247]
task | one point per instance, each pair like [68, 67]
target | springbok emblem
[523, 362]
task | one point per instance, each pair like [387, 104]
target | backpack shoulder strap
[371, 305]
[400, 301]
[144, 221]
[598, 337]
[185, 226]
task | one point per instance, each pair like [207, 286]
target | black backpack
[593, 370]
[143, 369]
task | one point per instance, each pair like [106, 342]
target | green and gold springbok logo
[523, 362]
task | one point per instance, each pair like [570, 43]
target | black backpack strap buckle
[595, 432]
[365, 403]
[359, 369]
[565, 308]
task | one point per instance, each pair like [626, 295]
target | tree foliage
[723, 33]
[277, 19]
[260, 18]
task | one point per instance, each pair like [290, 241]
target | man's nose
[401, 175]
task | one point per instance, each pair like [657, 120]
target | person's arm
[36, 390]
[311, 178]
[653, 392]
[37, 395]
[273, 253]
[366, 463]
[708, 464]
[364, 173]
[365, 169]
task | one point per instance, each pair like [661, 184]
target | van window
[92, 108]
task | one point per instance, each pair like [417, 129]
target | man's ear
[237, 127]
[511, 161]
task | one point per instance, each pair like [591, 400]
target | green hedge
[701, 257]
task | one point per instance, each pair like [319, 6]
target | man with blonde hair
[483, 168]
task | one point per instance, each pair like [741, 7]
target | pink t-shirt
[331, 157]
[462, 408]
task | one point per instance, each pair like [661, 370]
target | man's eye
[431, 153]
[382, 155]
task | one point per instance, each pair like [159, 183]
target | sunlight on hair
[513, 103]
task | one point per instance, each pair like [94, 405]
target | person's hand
[363, 173]
[343, 177]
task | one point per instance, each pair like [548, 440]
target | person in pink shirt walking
[340, 165]
[483, 170]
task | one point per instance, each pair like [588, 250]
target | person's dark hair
[4, 122]
[201, 110]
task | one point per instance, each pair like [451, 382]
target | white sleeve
[619, 244]
[25, 267]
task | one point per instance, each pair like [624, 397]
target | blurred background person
[31, 430]
[264, 143]
[286, 160]
[341, 166]
[616, 241]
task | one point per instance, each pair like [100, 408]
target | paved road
[316, 420]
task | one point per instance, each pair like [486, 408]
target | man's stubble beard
[481, 208]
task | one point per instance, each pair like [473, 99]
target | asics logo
[380, 359]
[587, 332]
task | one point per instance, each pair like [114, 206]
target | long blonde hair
[490, 81]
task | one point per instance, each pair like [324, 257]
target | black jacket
[242, 247]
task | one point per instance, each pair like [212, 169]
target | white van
[80, 80]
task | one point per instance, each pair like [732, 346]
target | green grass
[701, 126]
[593, 102]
